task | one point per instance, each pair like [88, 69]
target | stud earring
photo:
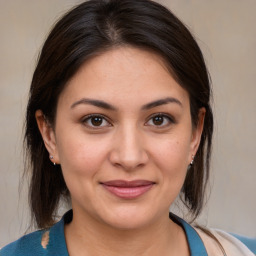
[192, 161]
[51, 157]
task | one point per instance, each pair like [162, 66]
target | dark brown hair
[87, 30]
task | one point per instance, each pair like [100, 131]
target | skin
[128, 143]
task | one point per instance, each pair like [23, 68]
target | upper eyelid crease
[170, 118]
[87, 117]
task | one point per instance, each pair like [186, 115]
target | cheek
[80, 156]
[172, 152]
[81, 161]
[171, 158]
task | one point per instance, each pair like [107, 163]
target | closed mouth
[128, 189]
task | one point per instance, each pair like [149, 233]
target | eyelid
[170, 118]
[88, 117]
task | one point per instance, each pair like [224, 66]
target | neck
[89, 237]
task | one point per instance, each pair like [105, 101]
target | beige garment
[231, 245]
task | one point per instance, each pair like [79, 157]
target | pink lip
[128, 189]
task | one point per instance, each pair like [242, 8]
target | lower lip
[128, 192]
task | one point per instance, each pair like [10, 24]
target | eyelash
[166, 118]
[88, 118]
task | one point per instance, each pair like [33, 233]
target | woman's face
[124, 138]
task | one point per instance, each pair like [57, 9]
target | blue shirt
[30, 245]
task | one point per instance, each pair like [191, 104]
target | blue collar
[195, 243]
[58, 244]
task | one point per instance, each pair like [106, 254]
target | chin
[130, 223]
[129, 219]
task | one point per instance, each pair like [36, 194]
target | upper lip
[126, 183]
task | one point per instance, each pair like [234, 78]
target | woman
[119, 123]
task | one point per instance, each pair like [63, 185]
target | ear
[48, 135]
[197, 132]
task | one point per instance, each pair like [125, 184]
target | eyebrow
[161, 102]
[105, 105]
[97, 103]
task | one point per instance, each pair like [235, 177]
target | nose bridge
[129, 151]
[130, 142]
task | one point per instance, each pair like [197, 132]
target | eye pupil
[97, 121]
[158, 120]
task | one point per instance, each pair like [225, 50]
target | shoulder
[230, 243]
[43, 242]
[27, 245]
[249, 242]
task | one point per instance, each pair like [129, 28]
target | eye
[160, 120]
[95, 121]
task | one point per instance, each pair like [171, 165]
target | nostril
[128, 160]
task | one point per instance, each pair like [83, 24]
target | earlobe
[48, 135]
[197, 132]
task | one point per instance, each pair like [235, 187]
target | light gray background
[226, 32]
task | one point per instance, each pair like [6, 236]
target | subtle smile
[128, 189]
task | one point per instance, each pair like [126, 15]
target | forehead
[124, 73]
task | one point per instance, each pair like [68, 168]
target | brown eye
[95, 121]
[158, 120]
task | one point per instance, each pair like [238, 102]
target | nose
[128, 149]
